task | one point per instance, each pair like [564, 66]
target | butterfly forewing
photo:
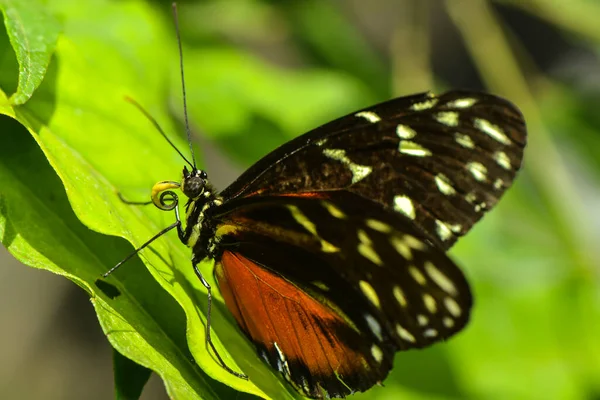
[442, 161]
[329, 285]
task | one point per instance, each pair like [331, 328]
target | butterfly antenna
[185, 113]
[157, 126]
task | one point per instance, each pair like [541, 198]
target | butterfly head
[194, 183]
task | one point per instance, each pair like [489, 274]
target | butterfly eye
[193, 184]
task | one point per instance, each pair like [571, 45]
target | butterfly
[330, 252]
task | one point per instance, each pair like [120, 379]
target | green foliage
[69, 142]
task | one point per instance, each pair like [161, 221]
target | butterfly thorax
[199, 232]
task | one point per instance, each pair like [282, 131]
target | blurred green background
[262, 72]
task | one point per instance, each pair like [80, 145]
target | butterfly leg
[208, 323]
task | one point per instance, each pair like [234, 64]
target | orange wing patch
[304, 339]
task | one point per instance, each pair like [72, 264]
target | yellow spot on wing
[430, 303]
[417, 275]
[452, 306]
[399, 295]
[321, 285]
[402, 247]
[378, 226]
[333, 210]
[377, 353]
[440, 279]
[404, 334]
[311, 227]
[365, 247]
[370, 293]
[302, 219]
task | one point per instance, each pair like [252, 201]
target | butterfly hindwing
[442, 161]
[329, 286]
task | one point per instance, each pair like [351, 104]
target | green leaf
[97, 144]
[130, 377]
[39, 228]
[33, 32]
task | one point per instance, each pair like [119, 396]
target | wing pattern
[330, 285]
[442, 161]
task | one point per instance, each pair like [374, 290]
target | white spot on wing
[448, 118]
[374, 326]
[461, 103]
[464, 140]
[491, 130]
[430, 333]
[413, 149]
[359, 172]
[405, 132]
[502, 159]
[448, 322]
[424, 105]
[444, 185]
[452, 306]
[279, 352]
[442, 230]
[369, 116]
[478, 170]
[404, 205]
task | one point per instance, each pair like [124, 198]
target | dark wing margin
[442, 161]
[330, 285]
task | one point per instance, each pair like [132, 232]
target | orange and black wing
[442, 161]
[330, 285]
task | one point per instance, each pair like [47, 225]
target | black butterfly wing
[442, 161]
[330, 285]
